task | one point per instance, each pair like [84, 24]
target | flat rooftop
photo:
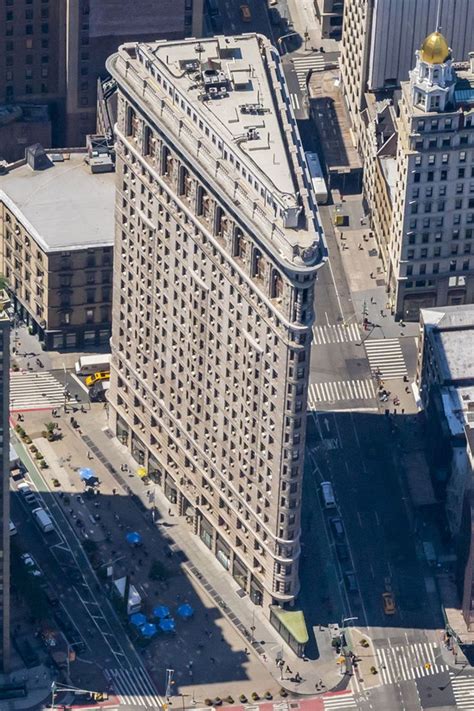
[244, 105]
[225, 101]
[64, 206]
[451, 331]
[333, 123]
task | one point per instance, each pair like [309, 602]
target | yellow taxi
[245, 13]
[389, 606]
[96, 377]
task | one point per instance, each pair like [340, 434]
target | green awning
[294, 622]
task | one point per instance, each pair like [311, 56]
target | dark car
[351, 581]
[337, 526]
[342, 551]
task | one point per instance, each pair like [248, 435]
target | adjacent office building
[54, 50]
[5, 485]
[380, 38]
[431, 254]
[445, 377]
[56, 244]
[330, 15]
[218, 244]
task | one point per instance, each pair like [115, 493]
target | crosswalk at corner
[134, 687]
[463, 690]
[34, 391]
[303, 65]
[340, 391]
[408, 662]
[336, 333]
[339, 701]
[385, 358]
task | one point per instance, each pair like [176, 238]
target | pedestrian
[169, 512]
[371, 275]
[288, 670]
[372, 300]
[382, 312]
[246, 651]
[360, 245]
[212, 660]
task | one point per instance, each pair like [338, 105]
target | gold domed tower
[435, 49]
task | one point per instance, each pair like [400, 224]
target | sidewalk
[219, 595]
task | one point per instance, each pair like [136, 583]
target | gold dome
[434, 49]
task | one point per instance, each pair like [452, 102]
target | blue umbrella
[85, 473]
[161, 611]
[133, 537]
[148, 629]
[168, 625]
[185, 610]
[137, 619]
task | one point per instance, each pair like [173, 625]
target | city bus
[317, 177]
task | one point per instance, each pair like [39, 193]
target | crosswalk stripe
[408, 662]
[340, 390]
[385, 357]
[34, 391]
[463, 690]
[134, 687]
[335, 333]
[302, 65]
[341, 701]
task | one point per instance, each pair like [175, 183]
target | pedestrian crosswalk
[385, 357]
[463, 690]
[339, 701]
[340, 390]
[34, 391]
[404, 663]
[336, 333]
[134, 687]
[303, 65]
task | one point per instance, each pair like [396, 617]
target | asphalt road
[61, 556]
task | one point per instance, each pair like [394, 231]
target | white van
[328, 495]
[43, 520]
[88, 365]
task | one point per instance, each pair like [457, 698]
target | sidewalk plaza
[228, 648]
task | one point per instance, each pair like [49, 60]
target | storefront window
[122, 431]
[223, 553]
[170, 490]
[206, 533]
[239, 572]
[138, 449]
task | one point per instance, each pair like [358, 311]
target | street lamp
[347, 619]
[169, 682]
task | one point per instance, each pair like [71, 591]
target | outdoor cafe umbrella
[161, 611]
[138, 619]
[168, 625]
[133, 537]
[148, 629]
[86, 473]
[185, 610]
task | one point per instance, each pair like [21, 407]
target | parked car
[351, 581]
[337, 526]
[342, 551]
[31, 565]
[27, 493]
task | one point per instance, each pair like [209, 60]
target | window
[89, 315]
